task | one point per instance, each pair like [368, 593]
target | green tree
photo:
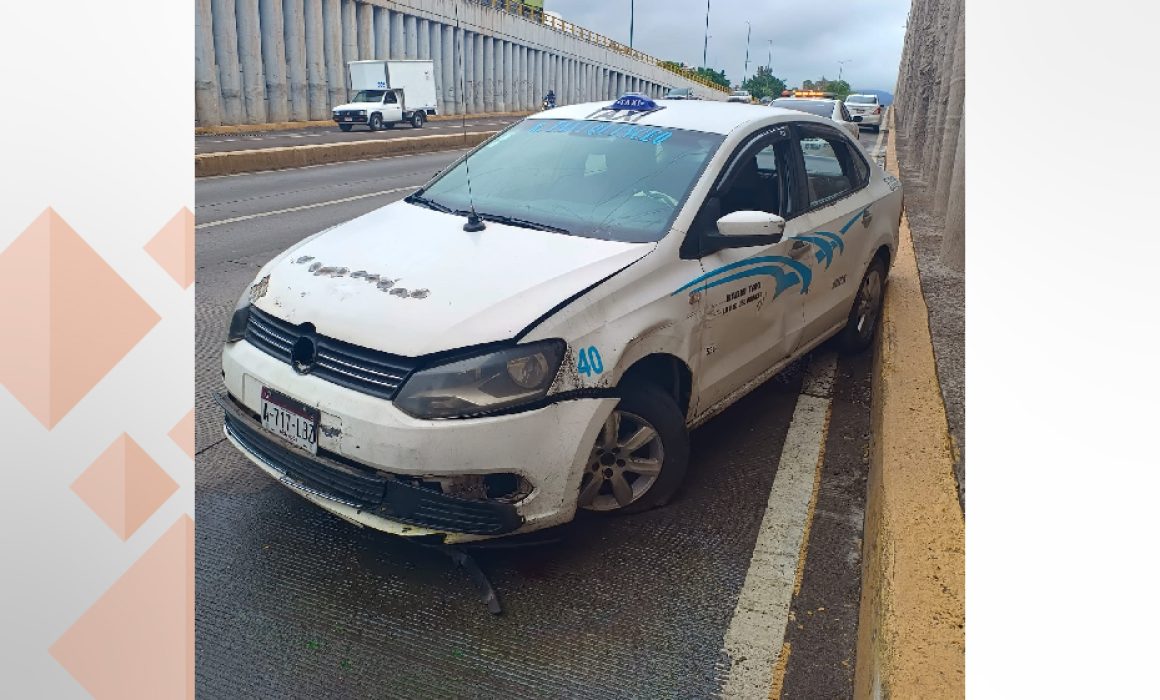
[840, 88]
[764, 84]
[714, 76]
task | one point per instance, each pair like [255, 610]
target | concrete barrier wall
[929, 106]
[261, 61]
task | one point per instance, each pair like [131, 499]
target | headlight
[483, 384]
[362, 112]
[240, 319]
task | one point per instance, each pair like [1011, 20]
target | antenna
[474, 223]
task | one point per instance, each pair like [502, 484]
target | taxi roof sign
[634, 101]
[812, 93]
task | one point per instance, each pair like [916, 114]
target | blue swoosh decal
[731, 266]
[825, 248]
[833, 238]
[850, 223]
[784, 280]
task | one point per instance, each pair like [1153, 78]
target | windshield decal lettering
[632, 132]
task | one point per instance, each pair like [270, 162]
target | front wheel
[859, 330]
[640, 457]
[417, 120]
[376, 122]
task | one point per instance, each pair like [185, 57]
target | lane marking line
[878, 142]
[304, 207]
[779, 672]
[757, 629]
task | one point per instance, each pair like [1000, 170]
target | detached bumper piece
[364, 488]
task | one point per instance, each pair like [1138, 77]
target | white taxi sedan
[834, 110]
[536, 334]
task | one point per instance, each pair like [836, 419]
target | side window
[829, 169]
[754, 184]
[392, 99]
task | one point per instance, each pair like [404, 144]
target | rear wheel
[859, 330]
[640, 457]
[417, 120]
[345, 127]
[376, 122]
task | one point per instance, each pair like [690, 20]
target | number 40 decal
[590, 362]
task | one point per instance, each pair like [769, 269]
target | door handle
[798, 249]
[867, 217]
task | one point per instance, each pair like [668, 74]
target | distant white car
[679, 94]
[740, 96]
[867, 107]
[828, 108]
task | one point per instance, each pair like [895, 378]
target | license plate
[348, 119]
[291, 420]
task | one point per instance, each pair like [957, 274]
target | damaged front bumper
[364, 490]
[524, 468]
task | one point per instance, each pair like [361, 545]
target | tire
[640, 406]
[417, 120]
[376, 122]
[867, 309]
[346, 127]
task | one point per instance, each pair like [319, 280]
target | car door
[831, 235]
[392, 110]
[751, 296]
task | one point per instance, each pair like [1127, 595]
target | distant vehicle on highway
[680, 94]
[388, 93]
[740, 96]
[534, 331]
[867, 107]
[834, 110]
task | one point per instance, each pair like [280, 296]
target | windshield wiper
[418, 198]
[522, 223]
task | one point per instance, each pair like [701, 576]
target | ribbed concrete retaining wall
[929, 107]
[260, 61]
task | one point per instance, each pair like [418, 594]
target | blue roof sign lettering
[634, 102]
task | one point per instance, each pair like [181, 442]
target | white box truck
[388, 93]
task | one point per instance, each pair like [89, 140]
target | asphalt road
[293, 602]
[216, 143]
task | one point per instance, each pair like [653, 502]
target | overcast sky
[809, 36]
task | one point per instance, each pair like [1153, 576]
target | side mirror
[742, 229]
[750, 223]
[856, 118]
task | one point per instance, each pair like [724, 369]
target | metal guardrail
[535, 14]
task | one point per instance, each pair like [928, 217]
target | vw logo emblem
[303, 354]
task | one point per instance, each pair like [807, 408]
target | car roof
[697, 115]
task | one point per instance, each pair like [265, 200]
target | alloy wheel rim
[870, 298]
[623, 465]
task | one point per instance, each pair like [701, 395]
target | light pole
[631, 17]
[745, 70]
[840, 64]
[769, 61]
[705, 56]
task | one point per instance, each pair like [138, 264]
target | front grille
[365, 489]
[361, 369]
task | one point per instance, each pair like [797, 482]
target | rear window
[862, 99]
[822, 108]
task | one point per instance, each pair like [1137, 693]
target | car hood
[357, 105]
[410, 281]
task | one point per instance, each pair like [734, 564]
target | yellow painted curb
[288, 126]
[911, 639]
[234, 162]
